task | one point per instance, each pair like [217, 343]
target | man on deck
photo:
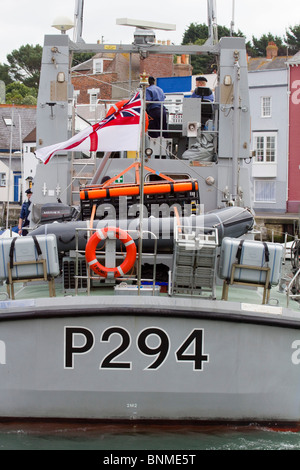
[155, 108]
[24, 214]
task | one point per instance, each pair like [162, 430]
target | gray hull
[144, 358]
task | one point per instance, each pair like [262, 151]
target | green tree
[2, 92]
[259, 46]
[25, 65]
[79, 57]
[194, 33]
[198, 34]
[4, 74]
[18, 93]
[292, 39]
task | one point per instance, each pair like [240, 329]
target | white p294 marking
[296, 354]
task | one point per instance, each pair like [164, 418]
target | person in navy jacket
[24, 214]
[155, 93]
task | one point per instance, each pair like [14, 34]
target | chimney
[272, 50]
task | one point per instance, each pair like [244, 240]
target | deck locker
[250, 253]
[28, 249]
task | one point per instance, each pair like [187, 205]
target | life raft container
[117, 106]
[110, 232]
[134, 189]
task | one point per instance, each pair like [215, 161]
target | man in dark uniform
[23, 220]
[156, 95]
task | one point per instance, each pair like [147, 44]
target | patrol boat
[199, 325]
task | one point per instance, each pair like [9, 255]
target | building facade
[269, 136]
[269, 100]
[293, 204]
[16, 122]
[107, 78]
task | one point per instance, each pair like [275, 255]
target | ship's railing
[196, 237]
[92, 113]
[290, 286]
[118, 255]
[175, 118]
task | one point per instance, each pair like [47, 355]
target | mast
[9, 172]
[212, 22]
[143, 85]
[22, 160]
[236, 127]
[78, 21]
[232, 20]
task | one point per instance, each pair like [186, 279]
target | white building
[16, 124]
[269, 97]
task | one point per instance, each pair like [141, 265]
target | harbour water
[138, 439]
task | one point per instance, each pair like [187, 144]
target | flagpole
[9, 167]
[143, 84]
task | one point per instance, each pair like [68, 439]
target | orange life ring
[110, 232]
[117, 106]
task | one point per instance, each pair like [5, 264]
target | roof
[13, 161]
[295, 60]
[24, 117]
[115, 64]
[262, 63]
[31, 137]
[88, 64]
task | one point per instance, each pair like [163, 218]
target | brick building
[112, 76]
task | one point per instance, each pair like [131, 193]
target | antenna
[63, 24]
[144, 33]
[141, 24]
